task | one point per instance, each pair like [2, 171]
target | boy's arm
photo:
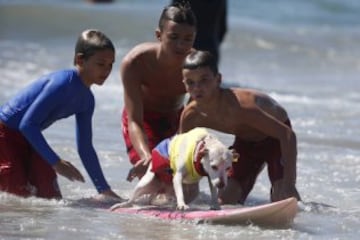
[40, 111]
[264, 122]
[188, 119]
[135, 111]
[88, 154]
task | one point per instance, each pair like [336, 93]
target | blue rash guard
[50, 98]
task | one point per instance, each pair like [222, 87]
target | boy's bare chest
[163, 83]
[230, 124]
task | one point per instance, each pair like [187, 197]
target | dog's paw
[183, 207]
[215, 207]
[121, 205]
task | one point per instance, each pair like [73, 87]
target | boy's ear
[79, 59]
[158, 34]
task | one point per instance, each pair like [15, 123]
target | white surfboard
[276, 214]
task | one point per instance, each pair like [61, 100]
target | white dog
[185, 159]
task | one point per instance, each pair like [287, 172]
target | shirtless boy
[153, 88]
[28, 165]
[261, 127]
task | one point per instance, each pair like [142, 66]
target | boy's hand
[66, 169]
[138, 170]
[281, 190]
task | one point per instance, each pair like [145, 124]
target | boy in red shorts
[261, 127]
[153, 89]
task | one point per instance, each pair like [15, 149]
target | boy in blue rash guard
[28, 165]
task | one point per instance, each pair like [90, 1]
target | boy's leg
[244, 172]
[14, 157]
[238, 189]
[43, 177]
[232, 193]
[156, 126]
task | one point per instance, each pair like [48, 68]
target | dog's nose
[220, 184]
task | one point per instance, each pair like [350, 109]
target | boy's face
[177, 39]
[201, 83]
[96, 68]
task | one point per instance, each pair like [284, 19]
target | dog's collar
[198, 155]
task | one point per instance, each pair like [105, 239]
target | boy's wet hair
[199, 59]
[91, 41]
[180, 13]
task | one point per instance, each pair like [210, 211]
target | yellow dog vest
[190, 140]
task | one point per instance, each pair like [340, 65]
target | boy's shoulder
[62, 73]
[142, 50]
[62, 78]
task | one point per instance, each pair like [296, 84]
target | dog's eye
[228, 168]
[215, 168]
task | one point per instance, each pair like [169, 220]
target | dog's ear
[204, 151]
[235, 155]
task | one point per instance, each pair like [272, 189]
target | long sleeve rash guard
[50, 98]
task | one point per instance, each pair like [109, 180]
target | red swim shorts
[157, 126]
[23, 171]
[253, 157]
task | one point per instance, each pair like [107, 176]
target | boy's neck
[212, 104]
[83, 77]
[169, 62]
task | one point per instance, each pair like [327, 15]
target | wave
[65, 19]
[285, 12]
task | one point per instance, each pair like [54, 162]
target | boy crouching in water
[262, 129]
[28, 165]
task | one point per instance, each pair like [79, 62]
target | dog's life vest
[188, 140]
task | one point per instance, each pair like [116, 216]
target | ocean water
[306, 54]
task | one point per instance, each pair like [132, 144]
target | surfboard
[276, 214]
